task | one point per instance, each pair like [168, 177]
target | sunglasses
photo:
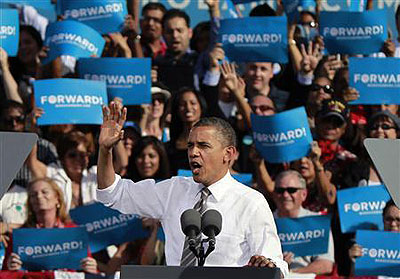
[383, 126]
[262, 108]
[159, 99]
[18, 119]
[311, 24]
[77, 154]
[290, 190]
[327, 88]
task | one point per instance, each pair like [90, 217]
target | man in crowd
[151, 26]
[258, 77]
[176, 67]
[289, 194]
[248, 235]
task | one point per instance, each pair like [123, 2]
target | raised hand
[111, 131]
[310, 58]
[3, 58]
[228, 74]
[216, 54]
[14, 262]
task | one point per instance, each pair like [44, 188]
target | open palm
[111, 131]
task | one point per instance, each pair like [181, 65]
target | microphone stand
[211, 246]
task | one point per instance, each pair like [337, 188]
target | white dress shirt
[248, 227]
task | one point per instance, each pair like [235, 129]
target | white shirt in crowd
[13, 205]
[248, 227]
[88, 184]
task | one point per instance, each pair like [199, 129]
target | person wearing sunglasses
[320, 90]
[289, 194]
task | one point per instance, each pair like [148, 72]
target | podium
[178, 272]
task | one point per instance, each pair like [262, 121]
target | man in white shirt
[289, 194]
[248, 234]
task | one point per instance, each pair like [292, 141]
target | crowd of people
[191, 79]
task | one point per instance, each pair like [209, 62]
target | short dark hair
[33, 32]
[176, 13]
[154, 6]
[224, 130]
[388, 205]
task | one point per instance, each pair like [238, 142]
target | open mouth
[195, 166]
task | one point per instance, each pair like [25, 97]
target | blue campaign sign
[9, 31]
[106, 226]
[282, 137]
[245, 178]
[380, 253]
[105, 16]
[305, 236]
[48, 249]
[70, 101]
[354, 32]
[72, 38]
[128, 79]
[2, 254]
[252, 39]
[377, 80]
[361, 207]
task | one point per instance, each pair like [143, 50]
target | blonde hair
[62, 214]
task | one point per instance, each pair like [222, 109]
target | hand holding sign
[14, 262]
[111, 131]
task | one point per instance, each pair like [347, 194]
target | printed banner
[106, 226]
[361, 207]
[70, 101]
[377, 80]
[245, 178]
[128, 79]
[105, 16]
[72, 38]
[9, 31]
[255, 39]
[305, 236]
[293, 7]
[354, 32]
[48, 249]
[282, 137]
[381, 254]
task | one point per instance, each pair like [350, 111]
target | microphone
[191, 224]
[211, 223]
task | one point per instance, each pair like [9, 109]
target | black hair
[388, 205]
[262, 10]
[176, 13]
[223, 128]
[204, 26]
[163, 171]
[154, 6]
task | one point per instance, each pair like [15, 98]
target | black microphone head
[190, 221]
[211, 223]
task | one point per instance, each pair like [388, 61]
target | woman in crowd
[46, 209]
[188, 106]
[362, 172]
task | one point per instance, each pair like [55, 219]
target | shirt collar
[219, 188]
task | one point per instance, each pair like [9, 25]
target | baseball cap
[375, 116]
[334, 107]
